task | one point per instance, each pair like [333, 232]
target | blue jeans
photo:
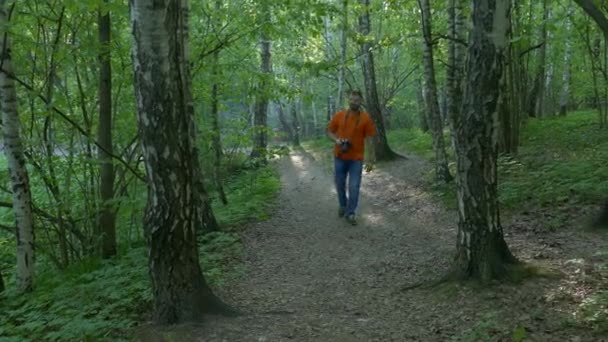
[351, 169]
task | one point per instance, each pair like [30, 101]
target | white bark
[13, 149]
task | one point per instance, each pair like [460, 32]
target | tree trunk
[548, 104]
[482, 252]
[315, 119]
[542, 62]
[420, 99]
[381, 149]
[442, 172]
[295, 123]
[284, 123]
[330, 107]
[167, 130]
[456, 51]
[260, 141]
[106, 225]
[343, 46]
[1, 283]
[565, 91]
[216, 135]
[13, 150]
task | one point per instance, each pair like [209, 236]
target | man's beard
[354, 107]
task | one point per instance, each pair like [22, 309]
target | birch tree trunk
[381, 149]
[442, 172]
[106, 225]
[13, 150]
[167, 131]
[482, 252]
[260, 141]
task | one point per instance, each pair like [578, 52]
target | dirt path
[312, 277]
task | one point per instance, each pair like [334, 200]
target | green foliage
[95, 299]
[550, 170]
[104, 300]
[486, 329]
[250, 196]
[546, 172]
[413, 140]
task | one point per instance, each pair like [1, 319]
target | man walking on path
[348, 129]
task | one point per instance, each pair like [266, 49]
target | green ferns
[105, 299]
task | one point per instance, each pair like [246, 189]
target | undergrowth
[105, 299]
[561, 159]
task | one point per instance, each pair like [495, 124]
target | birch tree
[442, 172]
[13, 150]
[167, 131]
[482, 252]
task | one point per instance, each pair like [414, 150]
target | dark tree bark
[442, 172]
[1, 283]
[167, 130]
[106, 225]
[381, 149]
[482, 252]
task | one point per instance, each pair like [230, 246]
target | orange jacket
[354, 127]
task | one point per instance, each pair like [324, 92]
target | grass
[561, 159]
[105, 299]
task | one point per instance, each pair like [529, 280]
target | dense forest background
[264, 75]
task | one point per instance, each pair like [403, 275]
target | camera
[344, 145]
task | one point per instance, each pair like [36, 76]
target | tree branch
[74, 124]
[530, 49]
[596, 14]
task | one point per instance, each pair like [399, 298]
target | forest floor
[310, 276]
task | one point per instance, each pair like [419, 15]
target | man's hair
[355, 92]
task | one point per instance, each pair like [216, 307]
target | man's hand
[369, 167]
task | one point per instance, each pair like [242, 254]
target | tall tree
[295, 123]
[260, 141]
[442, 172]
[106, 226]
[482, 252]
[167, 131]
[542, 65]
[1, 283]
[566, 73]
[379, 145]
[13, 150]
[216, 142]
